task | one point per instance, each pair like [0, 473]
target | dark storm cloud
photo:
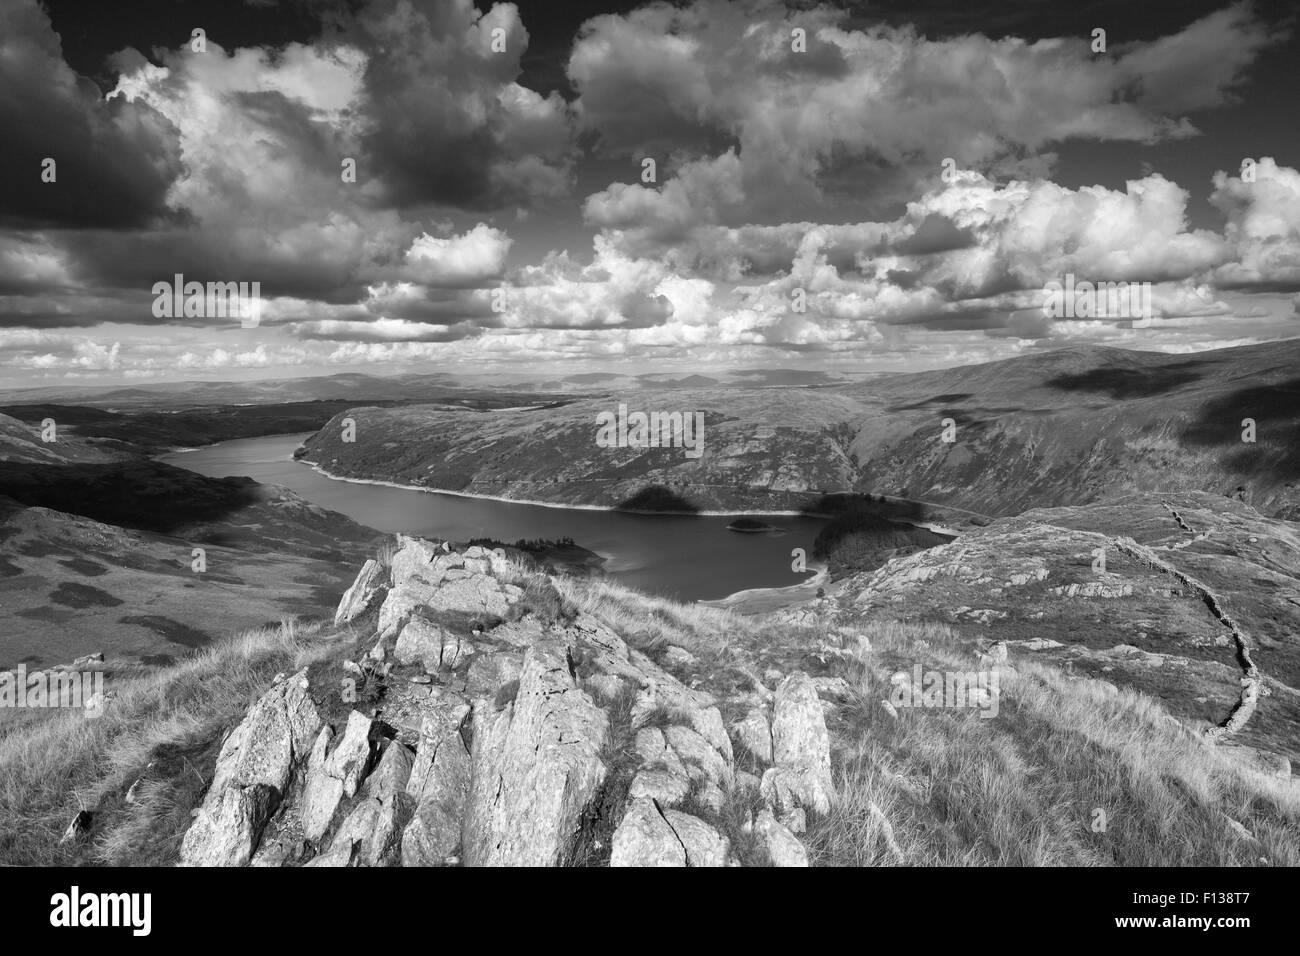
[446, 121]
[114, 160]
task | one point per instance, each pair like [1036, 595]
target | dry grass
[1067, 773]
[60, 762]
[1030, 786]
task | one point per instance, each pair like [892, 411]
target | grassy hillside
[1071, 770]
[98, 553]
[1045, 429]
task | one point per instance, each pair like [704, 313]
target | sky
[434, 185]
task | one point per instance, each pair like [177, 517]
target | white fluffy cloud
[871, 112]
[469, 259]
[1263, 226]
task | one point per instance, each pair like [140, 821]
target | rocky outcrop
[800, 749]
[253, 771]
[474, 728]
[535, 766]
[363, 594]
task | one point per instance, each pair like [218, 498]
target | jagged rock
[660, 689]
[536, 766]
[79, 826]
[800, 749]
[338, 856]
[704, 845]
[258, 756]
[333, 775]
[490, 672]
[364, 592]
[226, 831]
[644, 838]
[439, 783]
[475, 594]
[430, 644]
[374, 826]
[1094, 589]
[783, 847]
[755, 734]
[415, 559]
[283, 849]
[491, 562]
[88, 659]
[747, 781]
[707, 722]
[654, 751]
[404, 599]
[663, 786]
[699, 756]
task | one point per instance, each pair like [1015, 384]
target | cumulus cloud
[113, 161]
[469, 259]
[1263, 228]
[445, 120]
[800, 207]
[871, 113]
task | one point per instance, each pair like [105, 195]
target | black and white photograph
[853, 434]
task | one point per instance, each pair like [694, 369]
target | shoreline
[777, 596]
[563, 507]
[818, 515]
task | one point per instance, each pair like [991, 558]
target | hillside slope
[464, 710]
[1046, 429]
[97, 553]
[1198, 604]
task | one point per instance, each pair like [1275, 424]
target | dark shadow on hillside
[153, 431]
[1122, 383]
[657, 498]
[838, 504]
[934, 400]
[1276, 411]
[143, 495]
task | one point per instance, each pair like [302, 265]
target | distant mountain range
[405, 387]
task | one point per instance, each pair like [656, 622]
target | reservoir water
[685, 557]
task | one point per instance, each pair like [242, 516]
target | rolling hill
[1052, 428]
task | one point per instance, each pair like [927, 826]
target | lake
[684, 557]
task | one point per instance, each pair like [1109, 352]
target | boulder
[363, 594]
[227, 830]
[701, 760]
[644, 838]
[333, 775]
[663, 786]
[439, 784]
[800, 749]
[415, 559]
[430, 644]
[535, 766]
[754, 733]
[488, 673]
[373, 827]
[783, 847]
[704, 845]
[252, 774]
